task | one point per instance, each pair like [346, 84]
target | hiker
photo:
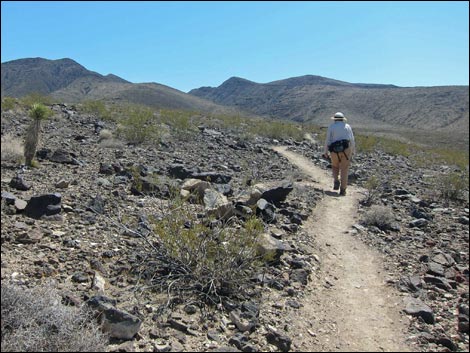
[341, 145]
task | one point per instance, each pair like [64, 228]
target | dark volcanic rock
[43, 205]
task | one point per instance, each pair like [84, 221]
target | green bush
[373, 187]
[8, 103]
[36, 98]
[97, 108]
[395, 147]
[205, 259]
[138, 125]
[35, 320]
[439, 156]
[452, 186]
[365, 143]
[276, 129]
[179, 120]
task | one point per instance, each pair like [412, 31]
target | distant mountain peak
[237, 80]
[23, 76]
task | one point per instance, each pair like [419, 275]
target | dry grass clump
[12, 149]
[379, 216]
[107, 140]
[35, 320]
[105, 134]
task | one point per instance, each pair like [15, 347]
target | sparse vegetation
[35, 320]
[373, 188]
[201, 258]
[442, 156]
[179, 120]
[105, 134]
[12, 149]
[8, 103]
[36, 98]
[371, 143]
[138, 125]
[365, 143]
[451, 186]
[276, 129]
[98, 108]
[379, 216]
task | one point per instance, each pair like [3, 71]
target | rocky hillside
[315, 98]
[86, 218]
[24, 76]
[67, 81]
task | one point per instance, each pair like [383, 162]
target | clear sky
[187, 45]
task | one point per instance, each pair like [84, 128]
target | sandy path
[349, 307]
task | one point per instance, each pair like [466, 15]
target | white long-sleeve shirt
[339, 130]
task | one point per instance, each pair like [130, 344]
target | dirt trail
[348, 307]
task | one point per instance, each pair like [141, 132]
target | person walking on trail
[341, 145]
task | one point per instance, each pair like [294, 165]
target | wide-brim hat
[339, 116]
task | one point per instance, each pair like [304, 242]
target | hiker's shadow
[332, 193]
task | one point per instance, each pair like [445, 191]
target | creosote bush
[98, 108]
[8, 103]
[373, 188]
[452, 186]
[36, 98]
[202, 258]
[138, 125]
[35, 320]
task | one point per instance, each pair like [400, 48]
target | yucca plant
[39, 112]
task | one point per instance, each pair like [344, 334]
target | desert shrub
[35, 320]
[442, 156]
[200, 258]
[105, 134]
[96, 107]
[395, 147]
[8, 103]
[373, 188]
[36, 98]
[179, 120]
[379, 216]
[365, 143]
[451, 186]
[458, 158]
[38, 113]
[276, 129]
[12, 149]
[138, 125]
[106, 140]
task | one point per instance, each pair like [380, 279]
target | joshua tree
[38, 113]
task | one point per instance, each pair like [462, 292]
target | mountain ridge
[307, 98]
[311, 98]
[67, 80]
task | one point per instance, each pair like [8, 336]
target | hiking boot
[342, 192]
[336, 185]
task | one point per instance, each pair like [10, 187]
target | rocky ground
[88, 235]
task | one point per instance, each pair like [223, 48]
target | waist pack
[339, 146]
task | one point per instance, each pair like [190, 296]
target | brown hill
[68, 81]
[315, 98]
[24, 76]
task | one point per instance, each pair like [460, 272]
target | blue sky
[191, 44]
